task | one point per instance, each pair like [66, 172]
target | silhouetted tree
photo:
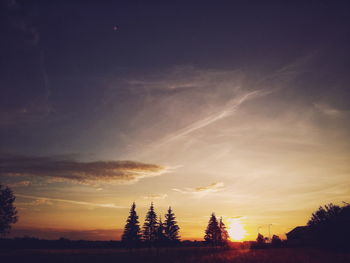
[276, 241]
[223, 233]
[131, 236]
[160, 235]
[212, 233]
[8, 212]
[171, 229]
[324, 215]
[150, 226]
[330, 226]
[260, 239]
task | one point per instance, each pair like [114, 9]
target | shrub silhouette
[276, 241]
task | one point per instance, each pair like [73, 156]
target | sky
[235, 107]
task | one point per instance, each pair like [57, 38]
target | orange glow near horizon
[236, 230]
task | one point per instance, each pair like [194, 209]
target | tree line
[155, 232]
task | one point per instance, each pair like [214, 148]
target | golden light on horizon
[236, 230]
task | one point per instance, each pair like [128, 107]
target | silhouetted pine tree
[160, 236]
[212, 233]
[223, 233]
[171, 228]
[150, 226]
[131, 236]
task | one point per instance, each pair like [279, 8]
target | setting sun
[236, 230]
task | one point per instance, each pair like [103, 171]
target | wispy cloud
[189, 99]
[46, 200]
[202, 190]
[155, 196]
[24, 35]
[19, 21]
[327, 110]
[35, 202]
[228, 110]
[67, 170]
[20, 184]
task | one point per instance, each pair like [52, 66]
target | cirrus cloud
[155, 196]
[202, 190]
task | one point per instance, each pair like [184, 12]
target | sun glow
[236, 229]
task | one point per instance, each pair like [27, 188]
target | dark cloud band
[96, 172]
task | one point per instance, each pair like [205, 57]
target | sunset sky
[241, 108]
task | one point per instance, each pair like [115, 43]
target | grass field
[183, 255]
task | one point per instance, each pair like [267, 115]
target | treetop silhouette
[160, 236]
[131, 235]
[224, 236]
[213, 233]
[8, 212]
[329, 226]
[171, 228]
[150, 226]
[260, 239]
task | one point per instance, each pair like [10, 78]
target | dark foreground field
[183, 255]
